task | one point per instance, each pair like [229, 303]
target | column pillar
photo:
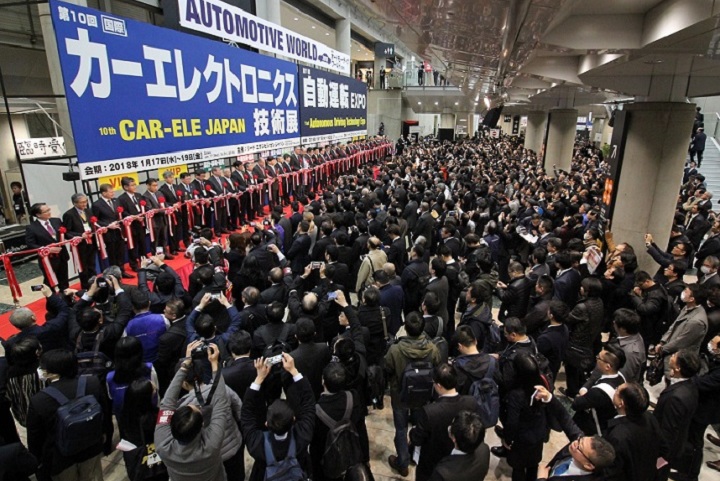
[535, 130]
[53, 59]
[342, 36]
[561, 138]
[447, 119]
[651, 174]
[269, 10]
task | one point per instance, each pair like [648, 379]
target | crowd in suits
[428, 240]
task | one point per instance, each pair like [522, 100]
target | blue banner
[143, 97]
[332, 107]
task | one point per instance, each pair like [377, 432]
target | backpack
[79, 421]
[487, 396]
[342, 444]
[493, 337]
[416, 384]
[544, 367]
[375, 386]
[287, 469]
[93, 362]
[440, 342]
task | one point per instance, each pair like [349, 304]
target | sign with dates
[332, 107]
[143, 97]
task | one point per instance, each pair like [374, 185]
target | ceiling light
[296, 19]
[312, 26]
[436, 103]
[327, 33]
[653, 62]
[456, 103]
[419, 103]
[487, 102]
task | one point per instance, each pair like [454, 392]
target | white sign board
[40, 148]
[227, 22]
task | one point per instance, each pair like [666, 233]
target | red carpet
[38, 307]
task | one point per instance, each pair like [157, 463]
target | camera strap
[198, 393]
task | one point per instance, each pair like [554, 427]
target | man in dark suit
[257, 170]
[159, 221]
[439, 285]
[635, 434]
[397, 253]
[60, 366]
[239, 372]
[567, 281]
[433, 420]
[299, 253]
[425, 224]
[318, 251]
[43, 231]
[169, 190]
[584, 459]
[514, 296]
[278, 290]
[105, 210]
[288, 419]
[271, 171]
[310, 357]
[129, 200]
[696, 226]
[469, 459]
[219, 187]
[171, 345]
[52, 334]
[186, 188]
[332, 408]
[77, 223]
[675, 408]
[342, 271]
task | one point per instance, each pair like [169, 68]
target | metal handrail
[717, 125]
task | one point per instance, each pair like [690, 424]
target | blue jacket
[148, 328]
[235, 321]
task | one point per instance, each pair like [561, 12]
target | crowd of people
[457, 280]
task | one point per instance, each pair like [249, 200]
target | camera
[332, 296]
[36, 288]
[200, 352]
[316, 265]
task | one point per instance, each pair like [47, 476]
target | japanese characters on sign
[40, 148]
[227, 22]
[332, 107]
[143, 97]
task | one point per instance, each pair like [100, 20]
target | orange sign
[115, 180]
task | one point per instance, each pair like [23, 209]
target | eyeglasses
[579, 449]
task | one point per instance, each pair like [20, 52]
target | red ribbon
[12, 279]
[44, 255]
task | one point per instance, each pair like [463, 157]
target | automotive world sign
[219, 19]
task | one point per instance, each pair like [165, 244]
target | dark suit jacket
[171, 347]
[170, 193]
[397, 254]
[124, 201]
[708, 410]
[424, 227]
[674, 410]
[637, 447]
[318, 251]
[276, 292]
[310, 359]
[299, 253]
[239, 374]
[463, 467]
[158, 220]
[74, 224]
[431, 431]
[36, 236]
[258, 172]
[567, 287]
[104, 213]
[440, 287]
[515, 298]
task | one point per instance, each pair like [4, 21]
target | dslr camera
[200, 352]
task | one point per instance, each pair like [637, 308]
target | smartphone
[271, 361]
[215, 295]
[332, 296]
[36, 288]
[159, 251]
[316, 265]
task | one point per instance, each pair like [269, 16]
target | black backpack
[79, 422]
[440, 342]
[279, 346]
[416, 384]
[375, 385]
[342, 445]
[93, 362]
[487, 396]
[287, 469]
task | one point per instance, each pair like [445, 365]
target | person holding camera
[190, 446]
[200, 325]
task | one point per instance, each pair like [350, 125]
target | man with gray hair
[52, 334]
[77, 223]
